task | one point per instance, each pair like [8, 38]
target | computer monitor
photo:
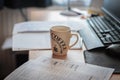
[112, 9]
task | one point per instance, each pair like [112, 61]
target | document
[45, 68]
[36, 34]
[35, 41]
[43, 26]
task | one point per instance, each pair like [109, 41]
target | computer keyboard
[106, 30]
[100, 32]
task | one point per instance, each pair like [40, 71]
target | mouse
[113, 50]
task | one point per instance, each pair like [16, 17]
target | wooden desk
[50, 16]
[73, 55]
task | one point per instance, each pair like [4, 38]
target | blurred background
[15, 11]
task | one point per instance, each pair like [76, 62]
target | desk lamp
[69, 11]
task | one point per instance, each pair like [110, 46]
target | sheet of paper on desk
[43, 26]
[33, 41]
[52, 69]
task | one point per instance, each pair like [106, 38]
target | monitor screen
[112, 8]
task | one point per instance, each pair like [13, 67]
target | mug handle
[75, 41]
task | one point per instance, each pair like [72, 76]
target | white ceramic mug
[60, 41]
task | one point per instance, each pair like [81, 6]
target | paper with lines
[45, 68]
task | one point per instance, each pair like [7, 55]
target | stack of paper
[36, 35]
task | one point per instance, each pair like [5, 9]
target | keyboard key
[116, 32]
[100, 35]
[105, 41]
[107, 31]
[108, 39]
[111, 33]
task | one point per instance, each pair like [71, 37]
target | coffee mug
[60, 41]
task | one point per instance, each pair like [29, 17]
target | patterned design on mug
[55, 48]
[59, 42]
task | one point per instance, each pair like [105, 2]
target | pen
[34, 31]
